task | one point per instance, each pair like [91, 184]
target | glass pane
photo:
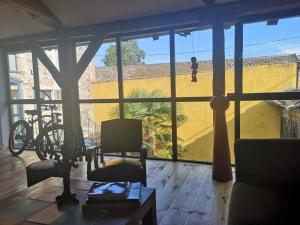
[18, 111]
[146, 67]
[157, 129]
[290, 123]
[229, 57]
[28, 112]
[190, 44]
[231, 130]
[48, 86]
[100, 79]
[195, 132]
[260, 119]
[20, 76]
[270, 58]
[52, 53]
[91, 117]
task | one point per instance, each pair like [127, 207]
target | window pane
[48, 86]
[100, 79]
[270, 58]
[157, 128]
[196, 44]
[229, 57]
[91, 117]
[260, 119]
[19, 112]
[21, 77]
[146, 67]
[230, 129]
[195, 132]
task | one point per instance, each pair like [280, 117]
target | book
[109, 190]
[132, 199]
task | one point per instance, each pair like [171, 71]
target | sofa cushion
[118, 170]
[257, 205]
[42, 170]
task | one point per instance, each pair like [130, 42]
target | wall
[258, 118]
[4, 116]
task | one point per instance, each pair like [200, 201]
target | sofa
[267, 189]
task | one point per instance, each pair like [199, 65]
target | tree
[157, 122]
[131, 54]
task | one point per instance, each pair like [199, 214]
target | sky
[259, 40]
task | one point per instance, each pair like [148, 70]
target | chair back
[121, 135]
[267, 161]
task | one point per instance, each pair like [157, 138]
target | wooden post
[219, 103]
[71, 115]
[67, 78]
[238, 76]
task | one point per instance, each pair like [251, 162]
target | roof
[286, 104]
[143, 71]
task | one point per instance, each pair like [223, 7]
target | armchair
[119, 136]
[267, 182]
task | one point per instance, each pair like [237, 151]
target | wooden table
[36, 205]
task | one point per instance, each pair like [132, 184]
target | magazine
[109, 190]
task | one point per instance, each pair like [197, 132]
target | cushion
[42, 170]
[257, 205]
[118, 170]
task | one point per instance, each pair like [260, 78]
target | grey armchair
[267, 182]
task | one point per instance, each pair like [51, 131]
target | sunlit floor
[186, 194]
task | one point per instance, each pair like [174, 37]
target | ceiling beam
[88, 55]
[38, 11]
[201, 16]
[229, 12]
[209, 2]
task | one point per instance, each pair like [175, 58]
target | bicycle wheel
[19, 136]
[49, 142]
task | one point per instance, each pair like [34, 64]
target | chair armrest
[267, 161]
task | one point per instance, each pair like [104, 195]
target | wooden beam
[88, 55]
[46, 61]
[209, 2]
[238, 75]
[38, 11]
[201, 16]
[218, 59]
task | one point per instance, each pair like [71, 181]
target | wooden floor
[186, 194]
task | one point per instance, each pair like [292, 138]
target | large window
[21, 76]
[270, 71]
[271, 58]
[146, 67]
[100, 79]
[166, 79]
[195, 44]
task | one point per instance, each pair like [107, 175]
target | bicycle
[22, 132]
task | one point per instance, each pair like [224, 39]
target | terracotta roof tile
[145, 71]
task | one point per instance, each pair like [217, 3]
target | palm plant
[157, 122]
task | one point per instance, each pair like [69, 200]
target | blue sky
[259, 40]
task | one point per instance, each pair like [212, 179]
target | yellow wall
[258, 118]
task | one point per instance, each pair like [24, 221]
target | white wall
[4, 116]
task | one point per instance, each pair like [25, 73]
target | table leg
[151, 218]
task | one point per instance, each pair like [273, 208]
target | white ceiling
[73, 13]
[14, 22]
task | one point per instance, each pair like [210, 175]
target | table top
[36, 205]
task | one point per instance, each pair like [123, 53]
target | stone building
[22, 84]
